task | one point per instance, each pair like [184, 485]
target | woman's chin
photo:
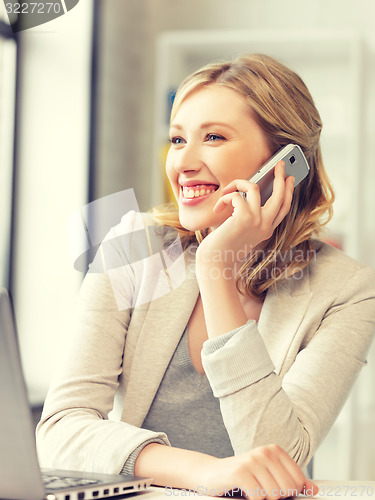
[196, 223]
[193, 223]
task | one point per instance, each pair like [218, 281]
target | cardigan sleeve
[260, 407]
[75, 431]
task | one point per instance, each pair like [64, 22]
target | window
[8, 56]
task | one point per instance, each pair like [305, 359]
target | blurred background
[84, 103]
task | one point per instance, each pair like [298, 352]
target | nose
[187, 159]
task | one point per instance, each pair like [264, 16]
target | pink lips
[194, 201]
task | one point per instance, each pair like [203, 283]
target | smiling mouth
[198, 191]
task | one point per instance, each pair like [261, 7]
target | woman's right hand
[266, 472]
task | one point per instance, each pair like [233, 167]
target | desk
[328, 490]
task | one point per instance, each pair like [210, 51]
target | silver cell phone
[295, 165]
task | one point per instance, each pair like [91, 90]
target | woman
[244, 366]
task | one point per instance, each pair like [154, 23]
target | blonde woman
[234, 377]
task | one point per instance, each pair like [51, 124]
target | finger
[278, 190]
[241, 206]
[287, 481]
[243, 185]
[256, 489]
[285, 207]
[253, 199]
[251, 490]
[298, 479]
[285, 470]
[288, 475]
[310, 488]
[227, 200]
[288, 485]
[237, 185]
[252, 196]
[269, 470]
[270, 488]
[273, 205]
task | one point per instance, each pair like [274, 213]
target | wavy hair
[283, 107]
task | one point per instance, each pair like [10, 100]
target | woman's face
[214, 139]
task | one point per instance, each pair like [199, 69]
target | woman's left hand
[250, 223]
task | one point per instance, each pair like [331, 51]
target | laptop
[21, 477]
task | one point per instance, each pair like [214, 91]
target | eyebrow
[205, 125]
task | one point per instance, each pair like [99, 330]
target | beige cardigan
[283, 380]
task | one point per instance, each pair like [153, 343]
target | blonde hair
[283, 107]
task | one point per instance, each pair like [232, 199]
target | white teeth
[195, 193]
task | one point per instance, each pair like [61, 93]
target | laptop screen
[19, 467]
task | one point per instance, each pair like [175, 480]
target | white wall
[52, 183]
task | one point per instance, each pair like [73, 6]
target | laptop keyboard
[60, 482]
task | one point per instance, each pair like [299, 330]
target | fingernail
[310, 489]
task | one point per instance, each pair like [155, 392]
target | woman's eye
[176, 140]
[214, 137]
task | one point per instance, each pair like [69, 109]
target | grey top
[185, 408]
